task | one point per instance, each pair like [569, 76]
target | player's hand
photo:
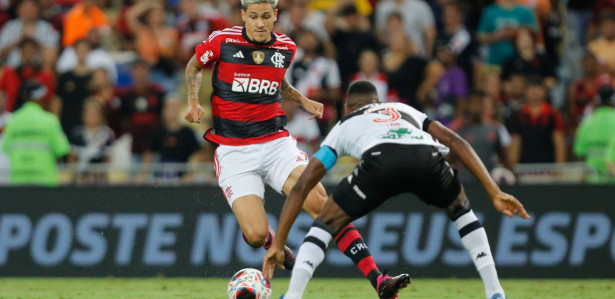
[273, 256]
[195, 113]
[312, 107]
[509, 205]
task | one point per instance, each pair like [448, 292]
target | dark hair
[534, 80]
[29, 41]
[361, 93]
[477, 93]
[396, 15]
[141, 62]
[607, 15]
[82, 41]
[350, 10]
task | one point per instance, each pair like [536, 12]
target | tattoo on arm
[193, 79]
[289, 92]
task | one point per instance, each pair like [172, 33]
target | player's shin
[474, 239]
[311, 254]
[350, 242]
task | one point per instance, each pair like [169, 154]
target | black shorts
[389, 169]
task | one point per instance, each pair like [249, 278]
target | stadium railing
[203, 173]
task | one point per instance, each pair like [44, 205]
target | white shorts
[242, 169]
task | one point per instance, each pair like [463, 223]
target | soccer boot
[289, 258]
[389, 286]
[498, 296]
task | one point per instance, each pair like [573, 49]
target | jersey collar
[269, 43]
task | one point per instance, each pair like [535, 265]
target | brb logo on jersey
[251, 85]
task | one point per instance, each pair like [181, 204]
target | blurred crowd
[524, 81]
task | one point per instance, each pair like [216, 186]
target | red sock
[350, 242]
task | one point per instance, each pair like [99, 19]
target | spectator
[103, 90]
[394, 24]
[515, 88]
[316, 77]
[451, 89]
[527, 61]
[173, 142]
[34, 146]
[91, 142]
[418, 21]
[4, 159]
[195, 24]
[299, 17]
[73, 88]
[603, 46]
[412, 79]
[583, 91]
[141, 108]
[489, 138]
[490, 83]
[537, 129]
[595, 133]
[155, 42]
[498, 27]
[301, 127]
[97, 57]
[456, 36]
[351, 36]
[600, 7]
[81, 19]
[578, 17]
[369, 69]
[52, 12]
[30, 68]
[27, 25]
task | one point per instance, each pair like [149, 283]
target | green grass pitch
[150, 288]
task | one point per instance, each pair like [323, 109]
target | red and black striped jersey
[247, 80]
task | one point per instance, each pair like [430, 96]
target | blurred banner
[191, 231]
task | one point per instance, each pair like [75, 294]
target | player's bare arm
[312, 174]
[313, 107]
[193, 82]
[505, 203]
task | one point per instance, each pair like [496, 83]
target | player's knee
[460, 206]
[255, 237]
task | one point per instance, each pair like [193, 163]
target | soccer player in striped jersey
[248, 84]
[399, 151]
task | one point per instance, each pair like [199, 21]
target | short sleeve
[558, 121]
[427, 18]
[333, 75]
[528, 18]
[418, 118]
[208, 51]
[332, 139]
[59, 142]
[485, 25]
[610, 152]
[580, 145]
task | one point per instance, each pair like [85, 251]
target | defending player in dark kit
[400, 152]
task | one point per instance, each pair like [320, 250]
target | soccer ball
[249, 284]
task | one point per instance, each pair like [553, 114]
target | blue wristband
[327, 156]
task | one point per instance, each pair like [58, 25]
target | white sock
[474, 239]
[311, 254]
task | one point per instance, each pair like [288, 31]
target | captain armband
[327, 157]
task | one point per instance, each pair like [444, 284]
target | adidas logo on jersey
[238, 55]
